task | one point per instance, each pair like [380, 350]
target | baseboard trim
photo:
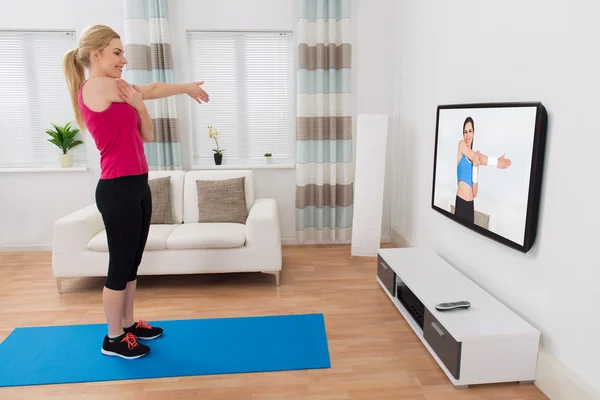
[553, 378]
[558, 382]
[293, 241]
[25, 248]
[398, 239]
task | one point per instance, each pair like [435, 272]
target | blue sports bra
[464, 171]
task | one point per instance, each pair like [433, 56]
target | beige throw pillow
[161, 200]
[222, 200]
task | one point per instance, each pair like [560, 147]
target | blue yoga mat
[69, 354]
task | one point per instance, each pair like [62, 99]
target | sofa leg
[59, 285]
[276, 276]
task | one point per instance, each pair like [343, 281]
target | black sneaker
[142, 330]
[125, 346]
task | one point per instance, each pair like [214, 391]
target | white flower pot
[65, 160]
[269, 160]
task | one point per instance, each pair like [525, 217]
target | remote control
[452, 305]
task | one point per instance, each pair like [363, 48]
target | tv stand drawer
[442, 343]
[387, 276]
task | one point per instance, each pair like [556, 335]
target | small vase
[269, 160]
[65, 160]
[218, 158]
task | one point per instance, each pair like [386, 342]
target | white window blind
[34, 94]
[249, 77]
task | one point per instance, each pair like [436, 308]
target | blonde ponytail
[93, 38]
[75, 75]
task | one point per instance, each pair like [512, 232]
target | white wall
[372, 78]
[473, 51]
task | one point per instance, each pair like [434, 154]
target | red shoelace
[131, 341]
[143, 324]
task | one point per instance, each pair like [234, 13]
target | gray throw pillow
[222, 200]
[162, 203]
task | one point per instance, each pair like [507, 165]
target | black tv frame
[535, 179]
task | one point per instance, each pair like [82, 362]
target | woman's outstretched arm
[159, 90]
[500, 162]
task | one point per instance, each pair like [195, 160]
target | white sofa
[186, 247]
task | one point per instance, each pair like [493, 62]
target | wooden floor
[374, 353]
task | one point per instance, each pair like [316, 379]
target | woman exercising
[467, 172]
[114, 113]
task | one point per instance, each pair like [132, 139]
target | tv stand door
[444, 345]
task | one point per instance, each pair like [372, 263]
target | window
[33, 94]
[249, 77]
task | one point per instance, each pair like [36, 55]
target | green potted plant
[214, 134]
[64, 137]
[269, 158]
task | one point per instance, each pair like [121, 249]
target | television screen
[487, 168]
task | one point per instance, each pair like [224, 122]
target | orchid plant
[214, 134]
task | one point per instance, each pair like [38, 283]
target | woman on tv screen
[468, 162]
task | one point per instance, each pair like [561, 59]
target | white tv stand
[487, 343]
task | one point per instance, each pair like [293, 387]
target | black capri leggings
[464, 209]
[126, 207]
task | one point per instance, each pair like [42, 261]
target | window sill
[43, 169]
[249, 165]
[244, 166]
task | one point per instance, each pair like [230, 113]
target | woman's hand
[477, 159]
[196, 92]
[130, 94]
[504, 162]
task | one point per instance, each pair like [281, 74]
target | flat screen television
[487, 170]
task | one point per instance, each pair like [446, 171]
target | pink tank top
[116, 132]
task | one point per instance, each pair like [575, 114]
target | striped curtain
[148, 50]
[324, 164]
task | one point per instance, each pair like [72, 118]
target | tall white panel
[371, 139]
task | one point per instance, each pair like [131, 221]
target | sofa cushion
[157, 238]
[222, 200]
[162, 203]
[207, 236]
[190, 192]
[177, 182]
